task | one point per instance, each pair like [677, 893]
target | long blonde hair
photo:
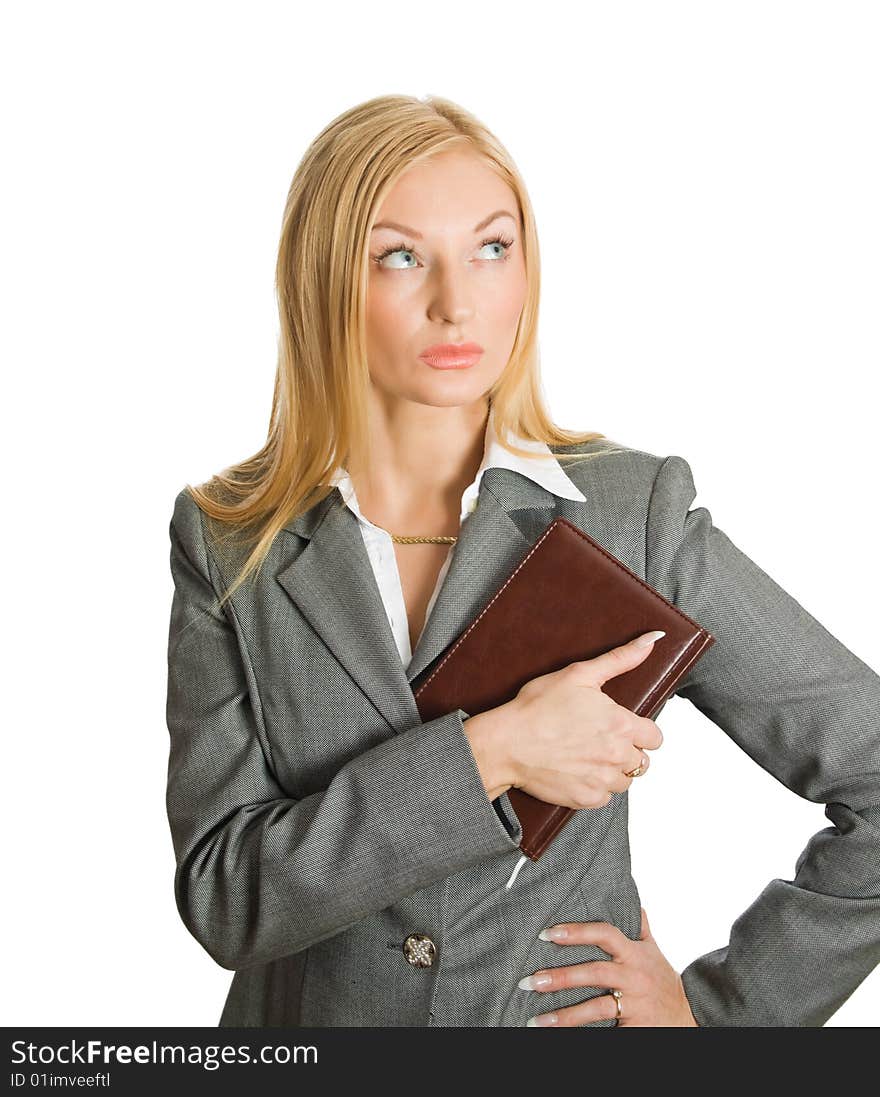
[319, 406]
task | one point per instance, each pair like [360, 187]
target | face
[449, 270]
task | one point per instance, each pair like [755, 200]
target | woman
[350, 862]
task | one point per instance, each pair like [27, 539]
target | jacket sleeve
[807, 710]
[261, 875]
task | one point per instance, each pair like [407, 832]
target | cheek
[512, 306]
[385, 311]
[508, 303]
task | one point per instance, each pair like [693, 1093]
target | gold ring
[637, 772]
[617, 996]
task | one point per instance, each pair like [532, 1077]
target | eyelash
[505, 241]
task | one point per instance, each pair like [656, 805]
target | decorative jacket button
[419, 949]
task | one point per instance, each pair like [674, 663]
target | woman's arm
[260, 875]
[807, 710]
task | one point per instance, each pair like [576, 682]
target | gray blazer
[318, 824]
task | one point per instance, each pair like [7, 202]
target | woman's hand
[564, 740]
[652, 991]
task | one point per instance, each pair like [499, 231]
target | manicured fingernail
[650, 637]
[542, 1020]
[532, 982]
[554, 933]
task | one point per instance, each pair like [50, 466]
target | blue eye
[400, 247]
[504, 241]
[393, 250]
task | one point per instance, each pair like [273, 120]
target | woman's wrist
[488, 734]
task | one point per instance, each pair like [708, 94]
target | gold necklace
[398, 539]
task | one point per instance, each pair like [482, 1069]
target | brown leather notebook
[568, 599]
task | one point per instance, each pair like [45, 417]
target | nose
[450, 296]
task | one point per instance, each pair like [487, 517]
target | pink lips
[452, 355]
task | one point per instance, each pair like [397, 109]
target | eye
[504, 241]
[393, 250]
[401, 248]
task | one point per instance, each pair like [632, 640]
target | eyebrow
[412, 232]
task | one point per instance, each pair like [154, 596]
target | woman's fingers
[592, 973]
[600, 1008]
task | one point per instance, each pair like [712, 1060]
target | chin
[449, 397]
[436, 392]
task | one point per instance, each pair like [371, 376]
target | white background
[705, 177]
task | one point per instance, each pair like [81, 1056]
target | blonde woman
[356, 866]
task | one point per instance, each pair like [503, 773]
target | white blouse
[543, 468]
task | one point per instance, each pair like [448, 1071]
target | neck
[423, 459]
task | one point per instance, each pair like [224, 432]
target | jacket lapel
[512, 512]
[333, 585]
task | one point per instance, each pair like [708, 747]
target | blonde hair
[318, 420]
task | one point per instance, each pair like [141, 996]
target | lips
[451, 350]
[451, 355]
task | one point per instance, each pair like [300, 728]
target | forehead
[450, 192]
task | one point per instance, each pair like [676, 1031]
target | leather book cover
[567, 600]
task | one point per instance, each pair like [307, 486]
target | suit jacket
[318, 824]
